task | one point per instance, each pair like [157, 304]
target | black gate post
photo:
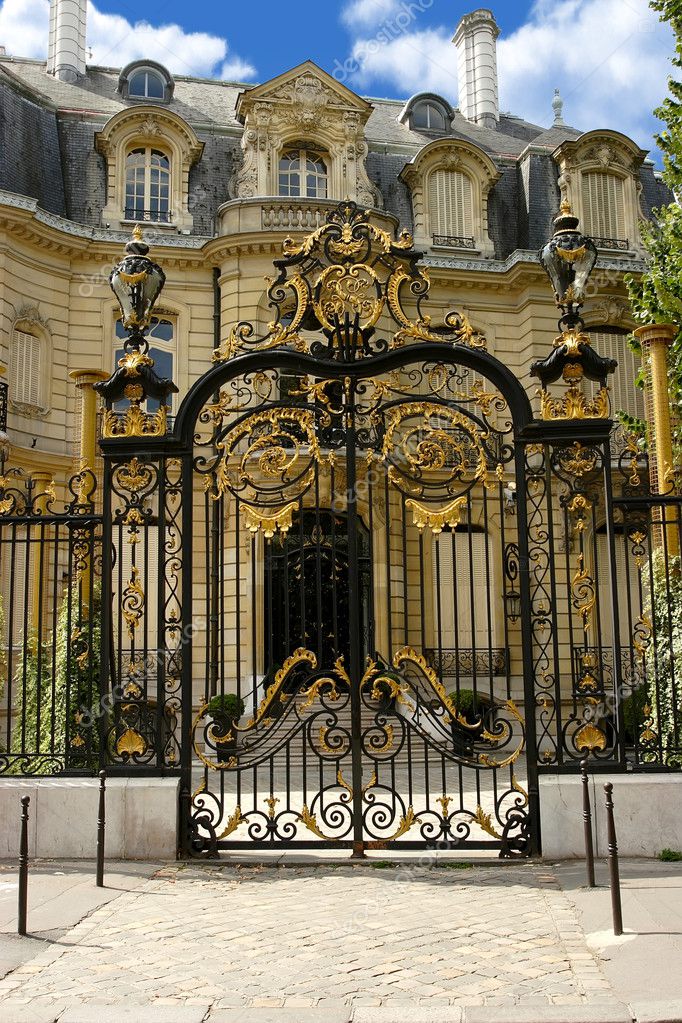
[527, 654]
[354, 623]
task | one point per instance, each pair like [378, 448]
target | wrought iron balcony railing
[454, 241]
[615, 244]
[148, 216]
[468, 661]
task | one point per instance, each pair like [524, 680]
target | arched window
[146, 84]
[303, 172]
[147, 198]
[603, 201]
[27, 370]
[428, 117]
[146, 80]
[451, 208]
[161, 337]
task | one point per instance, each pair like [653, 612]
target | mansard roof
[211, 103]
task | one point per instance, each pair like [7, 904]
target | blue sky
[610, 58]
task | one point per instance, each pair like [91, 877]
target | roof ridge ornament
[339, 282]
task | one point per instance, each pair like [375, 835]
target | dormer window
[146, 85]
[428, 117]
[146, 81]
[599, 175]
[427, 112]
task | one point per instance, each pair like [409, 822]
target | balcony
[284, 215]
[453, 241]
[612, 244]
[135, 216]
[3, 406]
[468, 661]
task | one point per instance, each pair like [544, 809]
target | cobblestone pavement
[297, 936]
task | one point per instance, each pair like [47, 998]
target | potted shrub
[475, 709]
[225, 709]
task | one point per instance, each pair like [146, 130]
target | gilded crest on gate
[339, 282]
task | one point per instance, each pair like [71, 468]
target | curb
[337, 1012]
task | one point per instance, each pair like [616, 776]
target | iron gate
[356, 595]
[356, 568]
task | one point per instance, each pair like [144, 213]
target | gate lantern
[137, 283]
[568, 259]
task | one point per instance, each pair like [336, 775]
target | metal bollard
[614, 872]
[23, 866]
[587, 823]
[100, 830]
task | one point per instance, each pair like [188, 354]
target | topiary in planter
[226, 710]
[474, 708]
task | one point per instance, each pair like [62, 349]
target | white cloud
[609, 58]
[115, 41]
[366, 13]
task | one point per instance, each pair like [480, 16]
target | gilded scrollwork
[340, 280]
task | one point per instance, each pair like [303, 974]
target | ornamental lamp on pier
[137, 283]
[568, 258]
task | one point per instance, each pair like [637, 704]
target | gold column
[85, 380]
[655, 339]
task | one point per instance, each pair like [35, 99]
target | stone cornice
[23, 217]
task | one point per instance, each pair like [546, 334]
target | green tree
[656, 296]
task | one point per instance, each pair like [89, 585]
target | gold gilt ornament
[575, 405]
[436, 519]
[134, 422]
[269, 521]
[343, 279]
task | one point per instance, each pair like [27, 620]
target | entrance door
[307, 598]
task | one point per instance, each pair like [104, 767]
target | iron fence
[50, 624]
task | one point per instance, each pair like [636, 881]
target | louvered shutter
[26, 369]
[451, 204]
[627, 582]
[603, 205]
[625, 395]
[462, 588]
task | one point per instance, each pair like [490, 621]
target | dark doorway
[307, 592]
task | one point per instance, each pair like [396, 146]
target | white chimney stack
[476, 42]
[66, 47]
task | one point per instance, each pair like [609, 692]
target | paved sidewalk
[377, 943]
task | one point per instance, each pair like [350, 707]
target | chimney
[66, 47]
[476, 42]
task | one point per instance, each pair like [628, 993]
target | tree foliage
[656, 297]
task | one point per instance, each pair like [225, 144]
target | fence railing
[50, 625]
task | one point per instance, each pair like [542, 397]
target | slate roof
[47, 151]
[202, 101]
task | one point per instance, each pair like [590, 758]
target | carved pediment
[306, 91]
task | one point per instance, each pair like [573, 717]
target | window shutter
[603, 205]
[625, 395]
[627, 581]
[465, 578]
[26, 369]
[451, 204]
